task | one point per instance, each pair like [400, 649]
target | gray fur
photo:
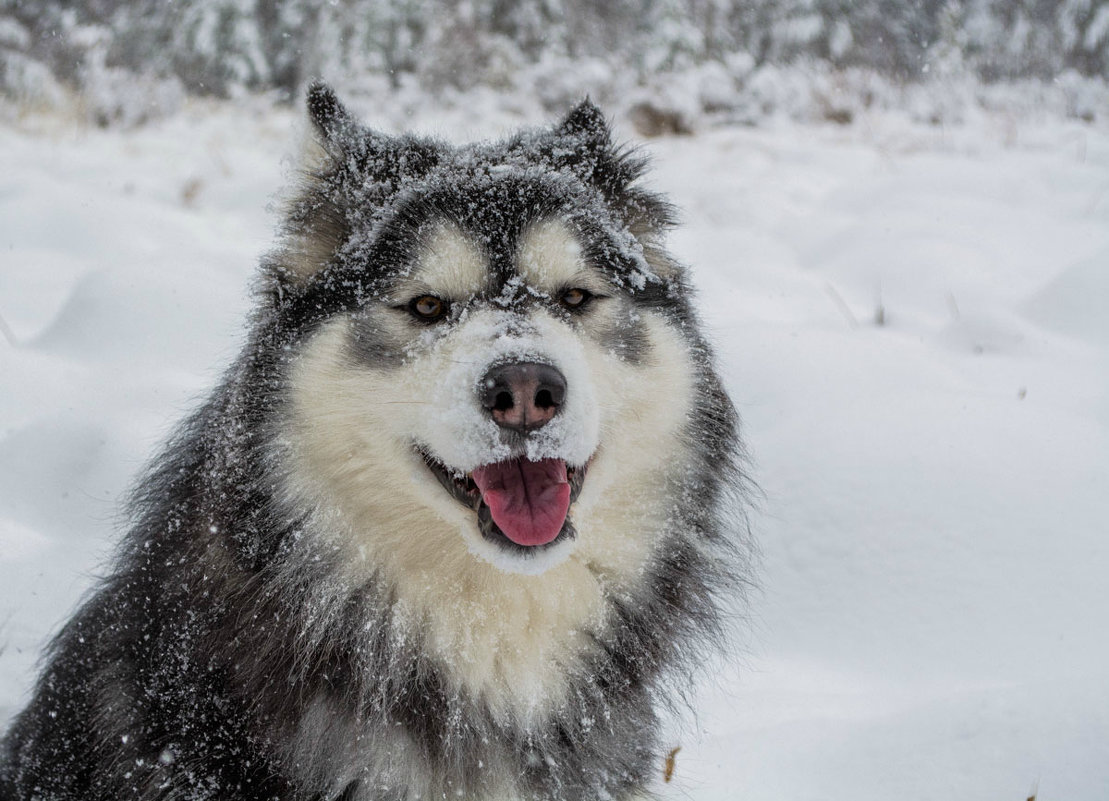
[229, 654]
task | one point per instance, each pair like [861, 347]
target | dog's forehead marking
[549, 256]
[449, 263]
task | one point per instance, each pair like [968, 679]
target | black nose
[522, 396]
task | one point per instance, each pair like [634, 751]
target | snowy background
[908, 286]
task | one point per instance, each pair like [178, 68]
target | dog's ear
[374, 155]
[329, 115]
[315, 223]
[345, 170]
[337, 131]
[583, 144]
[586, 126]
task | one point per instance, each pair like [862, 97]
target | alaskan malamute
[456, 524]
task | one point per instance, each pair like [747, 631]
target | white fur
[350, 454]
[451, 267]
[550, 259]
[330, 750]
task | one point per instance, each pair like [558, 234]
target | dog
[457, 523]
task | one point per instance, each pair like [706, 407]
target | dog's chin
[492, 544]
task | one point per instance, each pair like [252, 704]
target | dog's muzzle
[520, 502]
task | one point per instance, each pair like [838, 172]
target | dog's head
[487, 354]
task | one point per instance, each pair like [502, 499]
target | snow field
[933, 527]
[911, 320]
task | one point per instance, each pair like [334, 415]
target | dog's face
[492, 417]
[508, 419]
[495, 402]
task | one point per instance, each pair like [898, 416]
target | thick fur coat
[320, 597]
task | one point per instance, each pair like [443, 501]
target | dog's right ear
[315, 224]
[335, 126]
[345, 168]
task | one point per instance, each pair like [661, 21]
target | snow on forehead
[554, 209]
[503, 173]
[494, 192]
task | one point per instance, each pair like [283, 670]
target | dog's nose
[522, 396]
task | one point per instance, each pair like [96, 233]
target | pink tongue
[528, 500]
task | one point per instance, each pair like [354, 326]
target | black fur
[223, 621]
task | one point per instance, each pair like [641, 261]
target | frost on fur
[333, 588]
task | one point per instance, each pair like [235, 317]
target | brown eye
[428, 307]
[575, 298]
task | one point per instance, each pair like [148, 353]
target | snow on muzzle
[528, 500]
[474, 415]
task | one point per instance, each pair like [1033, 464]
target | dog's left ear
[587, 125]
[583, 144]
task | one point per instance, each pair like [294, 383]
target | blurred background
[669, 64]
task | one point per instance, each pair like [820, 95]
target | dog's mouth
[520, 503]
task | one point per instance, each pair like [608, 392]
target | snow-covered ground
[914, 323]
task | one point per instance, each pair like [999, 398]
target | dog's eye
[575, 298]
[428, 307]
